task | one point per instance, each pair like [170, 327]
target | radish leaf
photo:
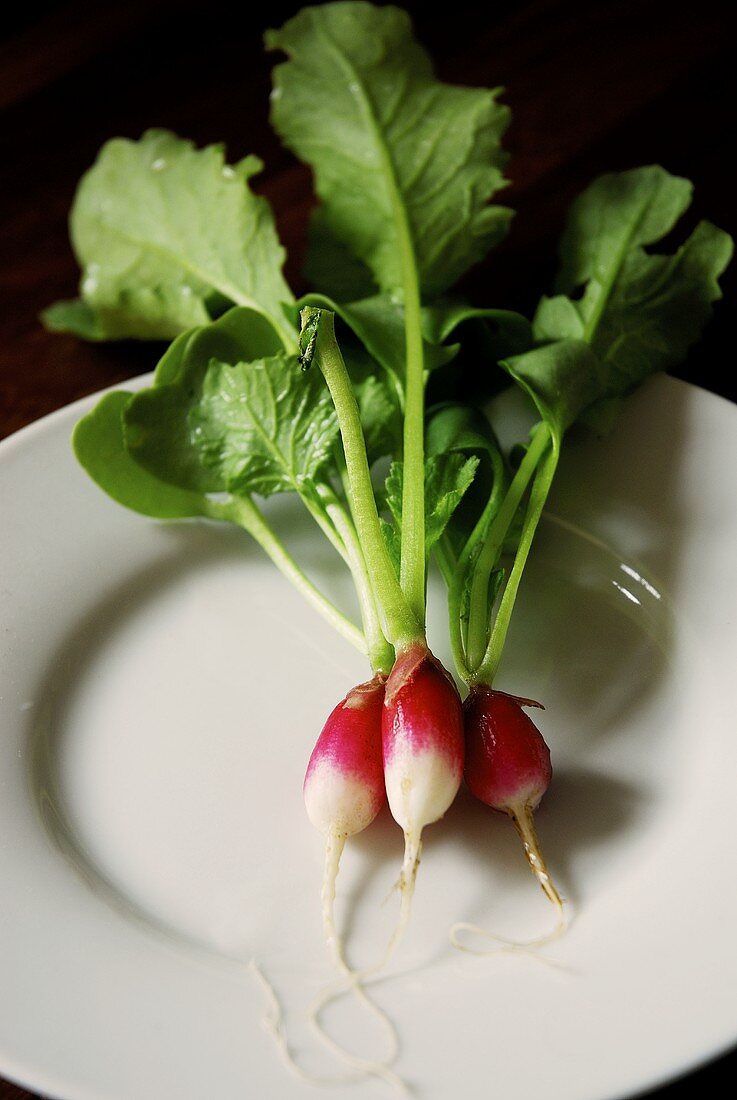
[639, 312]
[512, 333]
[455, 428]
[264, 426]
[167, 234]
[331, 267]
[243, 427]
[99, 446]
[381, 414]
[447, 479]
[400, 160]
[623, 313]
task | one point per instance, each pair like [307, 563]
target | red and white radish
[343, 792]
[344, 785]
[508, 768]
[422, 743]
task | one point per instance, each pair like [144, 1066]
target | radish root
[522, 817]
[506, 946]
[334, 846]
[525, 826]
[406, 887]
[273, 1023]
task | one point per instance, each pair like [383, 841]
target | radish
[344, 785]
[422, 749]
[422, 744]
[343, 792]
[508, 768]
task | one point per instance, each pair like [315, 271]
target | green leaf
[400, 160]
[238, 336]
[230, 412]
[76, 317]
[264, 427]
[330, 266]
[623, 312]
[164, 233]
[639, 311]
[381, 413]
[482, 337]
[99, 445]
[447, 478]
[511, 333]
[562, 379]
[456, 428]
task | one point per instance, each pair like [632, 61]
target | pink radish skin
[508, 767]
[344, 784]
[507, 760]
[422, 739]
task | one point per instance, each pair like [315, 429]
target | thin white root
[362, 1066]
[406, 886]
[528, 948]
[334, 846]
[523, 822]
[333, 851]
[273, 1023]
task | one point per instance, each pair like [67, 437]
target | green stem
[321, 517]
[478, 621]
[487, 670]
[380, 652]
[457, 582]
[449, 568]
[243, 511]
[413, 556]
[400, 624]
[413, 564]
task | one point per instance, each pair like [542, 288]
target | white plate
[162, 688]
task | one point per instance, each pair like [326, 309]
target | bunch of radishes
[405, 737]
[173, 243]
[409, 740]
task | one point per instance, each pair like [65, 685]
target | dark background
[593, 87]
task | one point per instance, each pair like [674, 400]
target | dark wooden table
[593, 86]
